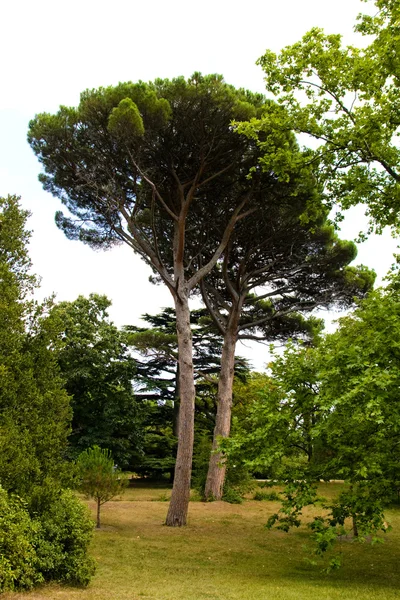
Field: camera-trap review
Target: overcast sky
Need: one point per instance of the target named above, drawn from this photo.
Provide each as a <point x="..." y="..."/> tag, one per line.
<point x="51" y="51"/>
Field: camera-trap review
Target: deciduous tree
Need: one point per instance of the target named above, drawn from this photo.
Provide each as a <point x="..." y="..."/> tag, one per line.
<point x="346" y="98"/>
<point x="335" y="405"/>
<point x="98" y="371"/>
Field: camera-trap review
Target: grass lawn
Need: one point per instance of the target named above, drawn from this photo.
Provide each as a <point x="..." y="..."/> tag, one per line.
<point x="223" y="554"/>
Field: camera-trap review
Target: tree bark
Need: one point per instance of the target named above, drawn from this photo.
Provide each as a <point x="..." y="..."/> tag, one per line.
<point x="177" y="395"/>
<point x="98" y="513"/>
<point x="178" y="508"/>
<point x="217" y="466"/>
<point x="175" y="417"/>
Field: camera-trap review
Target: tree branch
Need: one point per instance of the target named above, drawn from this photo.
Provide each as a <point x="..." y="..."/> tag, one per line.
<point x="215" y="315"/>
<point x="203" y="271"/>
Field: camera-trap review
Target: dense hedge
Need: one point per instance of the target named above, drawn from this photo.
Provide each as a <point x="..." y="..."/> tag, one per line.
<point x="50" y="546"/>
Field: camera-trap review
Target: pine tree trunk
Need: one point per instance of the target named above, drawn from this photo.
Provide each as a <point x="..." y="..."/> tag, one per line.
<point x="98" y="513"/>
<point x="179" y="504"/>
<point x="217" y="467"/>
<point x="175" y="417"/>
<point x="177" y="395"/>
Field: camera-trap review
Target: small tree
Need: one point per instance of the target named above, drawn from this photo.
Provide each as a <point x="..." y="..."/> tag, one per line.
<point x="99" y="479"/>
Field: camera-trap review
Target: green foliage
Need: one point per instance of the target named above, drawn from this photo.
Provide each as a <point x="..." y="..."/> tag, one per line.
<point x="295" y="496"/>
<point x="232" y="495"/>
<point x="19" y="564"/>
<point x="273" y="432"/>
<point x="98" y="477"/>
<point x="335" y="407"/>
<point x="359" y="380"/>
<point x="51" y="546"/>
<point x="351" y="106"/>
<point x="270" y="496"/>
<point x="45" y="535"/>
<point x="125" y="119"/>
<point x="134" y="131"/>
<point x="66" y="532"/>
<point x="94" y="359"/>
<point x="34" y="408"/>
<point x="237" y="480"/>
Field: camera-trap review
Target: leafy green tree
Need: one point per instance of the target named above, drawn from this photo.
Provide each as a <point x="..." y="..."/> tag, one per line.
<point x="45" y="530"/>
<point x="99" y="479"/>
<point x="239" y="478"/>
<point x="276" y="435"/>
<point x="98" y="370"/>
<point x="359" y="378"/>
<point x="144" y="163"/>
<point x="336" y="406"/>
<point x="347" y="99"/>
<point x="34" y="408"/>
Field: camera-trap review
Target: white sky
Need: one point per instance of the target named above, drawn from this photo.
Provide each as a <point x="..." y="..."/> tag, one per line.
<point x="51" y="51"/>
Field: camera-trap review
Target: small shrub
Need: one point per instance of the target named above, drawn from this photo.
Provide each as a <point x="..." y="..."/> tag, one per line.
<point x="162" y="498"/>
<point x="66" y="532"/>
<point x="18" y="559"/>
<point x="271" y="496"/>
<point x="52" y="546"/>
<point x="238" y="482"/>
<point x="232" y="495"/>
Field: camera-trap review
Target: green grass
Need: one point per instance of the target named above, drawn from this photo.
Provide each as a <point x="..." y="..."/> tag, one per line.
<point x="224" y="553"/>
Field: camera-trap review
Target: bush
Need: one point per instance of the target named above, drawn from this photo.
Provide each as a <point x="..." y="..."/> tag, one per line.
<point x="232" y="495"/>
<point x="238" y="482"/>
<point x="52" y="546"/>
<point x="271" y="496"/>
<point x="66" y="532"/>
<point x="19" y="564"/>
